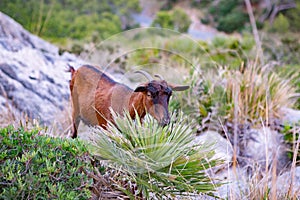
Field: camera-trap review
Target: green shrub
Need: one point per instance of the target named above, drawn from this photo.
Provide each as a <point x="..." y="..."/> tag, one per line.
<point x="230" y="51"/>
<point x="233" y="21"/>
<point x="181" y="20"/>
<point x="163" y="19"/>
<point x="39" y="167"/>
<point x="177" y="20"/>
<point x="205" y="20"/>
<point x="72" y="19"/>
<point x="281" y="24"/>
<point x="294" y="17"/>
<point x="226" y="6"/>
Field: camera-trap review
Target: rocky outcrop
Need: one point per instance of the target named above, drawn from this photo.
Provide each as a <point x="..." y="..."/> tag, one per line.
<point x="32" y="73"/>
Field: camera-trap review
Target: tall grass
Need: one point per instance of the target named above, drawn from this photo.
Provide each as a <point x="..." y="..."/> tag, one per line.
<point x="260" y="92"/>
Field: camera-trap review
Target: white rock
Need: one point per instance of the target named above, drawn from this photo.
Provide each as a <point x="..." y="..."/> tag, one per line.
<point x="263" y="147"/>
<point x="290" y="115"/>
<point x="289" y="180"/>
<point x="222" y="147"/>
<point x="236" y="183"/>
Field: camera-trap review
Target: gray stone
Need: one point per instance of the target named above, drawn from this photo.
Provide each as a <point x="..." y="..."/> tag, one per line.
<point x="222" y="147"/>
<point x="289" y="182"/>
<point x="290" y="115"/>
<point x="32" y="73"/>
<point x="263" y="148"/>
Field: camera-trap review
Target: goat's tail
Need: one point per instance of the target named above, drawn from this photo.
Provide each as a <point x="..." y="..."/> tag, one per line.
<point x="71" y="69"/>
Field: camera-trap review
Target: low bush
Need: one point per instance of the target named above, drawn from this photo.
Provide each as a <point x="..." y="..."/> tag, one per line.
<point x="281" y="24"/>
<point x="176" y="20"/>
<point x="232" y="22"/>
<point x="39" y="167"/>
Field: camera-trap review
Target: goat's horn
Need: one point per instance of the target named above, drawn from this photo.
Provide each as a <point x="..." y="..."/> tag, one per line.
<point x="159" y="76"/>
<point x="146" y="74"/>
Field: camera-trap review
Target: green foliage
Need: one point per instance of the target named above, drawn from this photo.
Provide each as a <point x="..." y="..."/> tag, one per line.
<point x="280" y="24"/>
<point x="291" y="134"/>
<point x="163" y="19"/>
<point x="283" y="49"/>
<point x="160" y="160"/>
<point x="39" y="167"/>
<point x="294" y="17"/>
<point x="231" y="51"/>
<point x="75" y="19"/>
<point x="177" y="20"/>
<point x="232" y="22"/>
<point x="223" y="8"/>
<point x="181" y="20"/>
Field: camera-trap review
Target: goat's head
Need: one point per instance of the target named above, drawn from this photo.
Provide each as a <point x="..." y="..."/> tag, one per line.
<point x="157" y="94"/>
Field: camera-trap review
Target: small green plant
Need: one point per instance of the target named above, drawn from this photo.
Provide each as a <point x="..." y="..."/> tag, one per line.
<point x="181" y="20"/>
<point x="291" y="136"/>
<point x="281" y="24"/>
<point x="162" y="161"/>
<point x="177" y="20"/>
<point x="33" y="166"/>
<point x="163" y="19"/>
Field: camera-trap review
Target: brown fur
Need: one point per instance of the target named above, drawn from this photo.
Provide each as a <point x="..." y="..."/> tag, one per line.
<point x="93" y="93"/>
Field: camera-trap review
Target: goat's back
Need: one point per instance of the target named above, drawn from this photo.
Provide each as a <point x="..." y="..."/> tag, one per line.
<point x="94" y="93"/>
<point x="84" y="84"/>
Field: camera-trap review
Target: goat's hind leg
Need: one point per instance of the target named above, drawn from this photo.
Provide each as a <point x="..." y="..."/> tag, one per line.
<point x="75" y="127"/>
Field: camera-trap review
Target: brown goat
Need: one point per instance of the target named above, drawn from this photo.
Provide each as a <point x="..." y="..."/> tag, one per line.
<point x="94" y="93"/>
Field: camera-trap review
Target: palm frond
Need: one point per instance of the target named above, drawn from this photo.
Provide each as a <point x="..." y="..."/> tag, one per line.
<point x="162" y="161"/>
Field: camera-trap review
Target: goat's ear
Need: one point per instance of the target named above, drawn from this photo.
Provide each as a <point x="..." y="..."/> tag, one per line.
<point x="178" y="87"/>
<point x="141" y="88"/>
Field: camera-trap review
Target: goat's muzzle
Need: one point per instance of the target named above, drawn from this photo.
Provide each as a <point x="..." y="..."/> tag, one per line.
<point x="164" y="122"/>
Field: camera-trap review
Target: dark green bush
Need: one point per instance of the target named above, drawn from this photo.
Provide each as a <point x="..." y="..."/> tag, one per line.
<point x="294" y="17"/>
<point x="72" y="19"/>
<point x="225" y="7"/>
<point x="233" y="21"/>
<point x="205" y="20"/>
<point x="39" y="167"/>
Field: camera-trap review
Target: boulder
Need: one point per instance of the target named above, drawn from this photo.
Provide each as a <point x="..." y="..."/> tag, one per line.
<point x="288" y="182"/>
<point x="290" y="115"/>
<point x="222" y="147"/>
<point x="33" y="77"/>
<point x="263" y="148"/>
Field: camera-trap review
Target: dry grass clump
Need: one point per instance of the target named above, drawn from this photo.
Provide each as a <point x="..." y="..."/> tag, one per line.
<point x="260" y="93"/>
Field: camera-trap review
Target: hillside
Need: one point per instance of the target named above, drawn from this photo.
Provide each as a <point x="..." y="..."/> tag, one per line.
<point x="234" y="134"/>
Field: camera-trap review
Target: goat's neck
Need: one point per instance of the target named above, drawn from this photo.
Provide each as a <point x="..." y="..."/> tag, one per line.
<point x="136" y="103"/>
